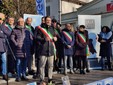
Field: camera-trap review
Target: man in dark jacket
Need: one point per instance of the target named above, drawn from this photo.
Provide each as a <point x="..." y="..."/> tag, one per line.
<point x="46" y="45"/>
<point x="31" y="59"/>
<point x="3" y="34"/>
<point x="22" y="39"/>
<point x="11" y="62"/>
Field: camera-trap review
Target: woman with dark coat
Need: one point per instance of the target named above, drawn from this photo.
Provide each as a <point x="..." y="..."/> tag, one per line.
<point x="22" y="40"/>
<point x="68" y="39"/>
<point x="81" y="47"/>
<point x="105" y="37"/>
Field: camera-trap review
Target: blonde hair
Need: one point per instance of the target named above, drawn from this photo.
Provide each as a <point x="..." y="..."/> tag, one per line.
<point x="2" y="16"/>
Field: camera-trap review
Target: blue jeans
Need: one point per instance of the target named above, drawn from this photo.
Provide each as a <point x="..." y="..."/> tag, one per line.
<point x="21" y="67"/>
<point x="4" y="62"/>
<point x="70" y="62"/>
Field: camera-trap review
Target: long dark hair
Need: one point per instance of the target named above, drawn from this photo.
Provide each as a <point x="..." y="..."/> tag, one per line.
<point x="107" y="29"/>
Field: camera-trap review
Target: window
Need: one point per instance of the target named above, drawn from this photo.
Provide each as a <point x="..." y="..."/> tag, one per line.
<point x="48" y="10"/>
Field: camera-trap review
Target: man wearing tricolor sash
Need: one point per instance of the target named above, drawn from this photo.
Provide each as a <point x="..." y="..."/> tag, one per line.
<point x="68" y="40"/>
<point x="45" y="38"/>
<point x="82" y="48"/>
<point x="10" y="23"/>
<point x="59" y="45"/>
<point x="31" y="59"/>
<point x="9" y="26"/>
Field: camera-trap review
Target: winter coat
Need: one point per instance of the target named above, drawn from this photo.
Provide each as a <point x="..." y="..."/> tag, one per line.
<point x="45" y="48"/>
<point x="105" y="47"/>
<point x="4" y="34"/>
<point x="22" y="40"/>
<point x="66" y="41"/>
<point x="59" y="43"/>
<point x="80" y="46"/>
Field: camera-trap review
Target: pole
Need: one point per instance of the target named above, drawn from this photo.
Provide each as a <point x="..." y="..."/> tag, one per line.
<point x="60" y="10"/>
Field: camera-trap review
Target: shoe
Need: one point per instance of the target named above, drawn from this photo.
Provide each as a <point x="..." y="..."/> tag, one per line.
<point x="71" y="72"/>
<point x="87" y="70"/>
<point x="24" y="78"/>
<point x="35" y="76"/>
<point x="32" y="72"/>
<point x="5" y="77"/>
<point x="51" y="82"/>
<point x="110" y="69"/>
<point x="18" y="79"/>
<point x="83" y="72"/>
<point x="80" y="71"/>
<point x="65" y="73"/>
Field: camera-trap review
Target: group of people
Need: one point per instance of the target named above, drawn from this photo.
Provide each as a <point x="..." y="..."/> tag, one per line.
<point x="52" y="46"/>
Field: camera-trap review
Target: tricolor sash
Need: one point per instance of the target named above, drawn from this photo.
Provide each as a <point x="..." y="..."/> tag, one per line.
<point x="83" y="39"/>
<point x="57" y="33"/>
<point x="50" y="36"/>
<point x="29" y="27"/>
<point x="8" y="26"/>
<point x="67" y="35"/>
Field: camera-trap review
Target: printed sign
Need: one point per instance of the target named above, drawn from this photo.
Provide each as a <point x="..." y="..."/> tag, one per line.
<point x="65" y="80"/>
<point x="34" y="83"/>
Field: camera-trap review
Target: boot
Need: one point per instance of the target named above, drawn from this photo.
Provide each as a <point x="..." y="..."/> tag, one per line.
<point x="5" y="77"/>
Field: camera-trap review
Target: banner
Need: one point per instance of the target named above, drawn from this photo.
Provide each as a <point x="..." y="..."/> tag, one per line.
<point x="41" y="7"/>
<point x="36" y="19"/>
<point x="107" y="81"/>
<point x="109" y="7"/>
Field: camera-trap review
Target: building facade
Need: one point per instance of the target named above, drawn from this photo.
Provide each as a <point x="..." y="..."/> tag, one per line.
<point x="55" y="8"/>
<point x="96" y="7"/>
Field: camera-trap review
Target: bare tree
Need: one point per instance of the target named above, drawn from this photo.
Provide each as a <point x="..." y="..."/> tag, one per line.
<point x="17" y="8"/>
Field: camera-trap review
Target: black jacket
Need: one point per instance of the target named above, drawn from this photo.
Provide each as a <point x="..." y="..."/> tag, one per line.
<point x="45" y="48"/>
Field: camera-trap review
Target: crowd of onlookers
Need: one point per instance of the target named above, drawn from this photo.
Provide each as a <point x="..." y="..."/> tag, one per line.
<point x="41" y="50"/>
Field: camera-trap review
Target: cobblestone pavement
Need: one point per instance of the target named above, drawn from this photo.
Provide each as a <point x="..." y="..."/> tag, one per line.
<point x="75" y="79"/>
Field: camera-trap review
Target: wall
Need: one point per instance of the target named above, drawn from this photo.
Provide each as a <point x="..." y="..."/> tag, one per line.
<point x="54" y="8"/>
<point x="66" y="7"/>
<point x="69" y="7"/>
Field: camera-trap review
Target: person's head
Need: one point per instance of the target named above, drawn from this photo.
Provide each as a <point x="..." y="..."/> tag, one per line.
<point x="105" y="29"/>
<point x="81" y="28"/>
<point x="11" y="20"/>
<point x="29" y="21"/>
<point x="48" y="20"/>
<point x="20" y="22"/>
<point x="43" y="19"/>
<point x="2" y="18"/>
<point x="54" y="23"/>
<point x="59" y="25"/>
<point x="68" y="26"/>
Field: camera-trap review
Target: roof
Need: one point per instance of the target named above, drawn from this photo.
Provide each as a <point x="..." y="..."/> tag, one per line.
<point x="76" y="1"/>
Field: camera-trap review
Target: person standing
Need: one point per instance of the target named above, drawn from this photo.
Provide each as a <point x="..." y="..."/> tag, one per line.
<point x="22" y="39"/>
<point x="3" y="45"/>
<point x="105" y="37"/>
<point x="45" y="38"/>
<point x="31" y="59"/>
<point x="9" y="25"/>
<point x="68" y="38"/>
<point x="82" y="48"/>
<point x="38" y="47"/>
<point x="59" y="45"/>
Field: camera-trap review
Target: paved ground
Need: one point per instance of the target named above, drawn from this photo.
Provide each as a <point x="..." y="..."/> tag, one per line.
<point x="75" y="79"/>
